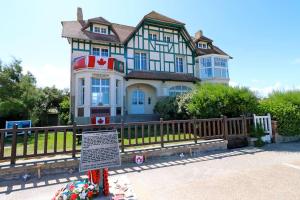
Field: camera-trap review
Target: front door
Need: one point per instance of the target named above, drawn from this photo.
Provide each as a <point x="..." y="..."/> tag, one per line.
<point x="138" y="102"/>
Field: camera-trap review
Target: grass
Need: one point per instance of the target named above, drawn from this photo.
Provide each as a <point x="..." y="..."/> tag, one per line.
<point x="149" y="137"/>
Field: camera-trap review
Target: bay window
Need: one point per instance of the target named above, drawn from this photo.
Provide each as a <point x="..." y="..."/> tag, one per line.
<point x="140" y="61"/>
<point x="213" y="67"/>
<point x="100" y="91"/>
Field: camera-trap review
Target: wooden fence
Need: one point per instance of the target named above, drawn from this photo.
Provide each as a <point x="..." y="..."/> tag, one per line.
<point x="43" y="141"/>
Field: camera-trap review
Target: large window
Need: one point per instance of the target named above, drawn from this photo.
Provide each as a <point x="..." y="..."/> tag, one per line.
<point x="140" y="61"/>
<point x="100" y="92"/>
<point x="81" y="91"/>
<point x="178" y="90"/>
<point x="216" y="69"/>
<point x="179" y="64"/>
<point x="100" y="51"/>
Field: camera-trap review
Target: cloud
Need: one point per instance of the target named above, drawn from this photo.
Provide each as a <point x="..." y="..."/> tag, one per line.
<point x="278" y="86"/>
<point x="296" y="61"/>
<point x="49" y="75"/>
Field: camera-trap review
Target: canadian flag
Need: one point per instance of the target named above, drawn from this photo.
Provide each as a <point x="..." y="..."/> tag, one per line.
<point x="96" y="62"/>
<point x="99" y="120"/>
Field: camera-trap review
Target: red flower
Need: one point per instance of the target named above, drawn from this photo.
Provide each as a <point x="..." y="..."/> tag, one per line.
<point x="73" y="196"/>
<point x="72" y="187"/>
<point x="90" y="194"/>
<point x="86" y="186"/>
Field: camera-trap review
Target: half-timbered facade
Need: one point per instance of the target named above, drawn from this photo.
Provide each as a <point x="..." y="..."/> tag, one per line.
<point x="119" y="70"/>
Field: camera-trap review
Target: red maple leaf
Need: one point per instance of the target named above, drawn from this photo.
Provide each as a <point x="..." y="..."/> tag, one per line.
<point x="101" y="61"/>
<point x="100" y="121"/>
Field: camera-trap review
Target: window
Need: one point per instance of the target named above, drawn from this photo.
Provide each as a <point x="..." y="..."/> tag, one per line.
<point x="167" y="39"/>
<point x="152" y="36"/>
<point x="100" y="92"/>
<point x="104" y="52"/>
<point x="118" y="92"/>
<point x="200" y="45"/>
<point x="220" y="62"/>
<point x="140" y="61"/>
<point x="217" y="69"/>
<point x="179" y="64"/>
<point x="178" y="90"/>
<point x="98" y="52"/>
<point x="103" y="30"/>
<point x="81" y="91"/>
<point x="97" y="29"/>
<point x="204" y="46"/>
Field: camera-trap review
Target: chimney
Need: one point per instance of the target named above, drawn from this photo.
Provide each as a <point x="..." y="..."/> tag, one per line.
<point x="198" y="34"/>
<point x="79" y="14"/>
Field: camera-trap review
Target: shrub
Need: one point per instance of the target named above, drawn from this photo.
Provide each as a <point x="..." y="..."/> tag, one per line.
<point x="167" y="108"/>
<point x="208" y="100"/>
<point x="285" y="108"/>
<point x="214" y="100"/>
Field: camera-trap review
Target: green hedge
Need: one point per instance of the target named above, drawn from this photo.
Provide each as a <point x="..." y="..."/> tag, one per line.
<point x="209" y="100"/>
<point x="285" y="108"/>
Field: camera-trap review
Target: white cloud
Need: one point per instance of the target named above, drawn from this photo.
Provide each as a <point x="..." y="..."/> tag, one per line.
<point x="296" y="61"/>
<point x="49" y="75"/>
<point x="278" y="86"/>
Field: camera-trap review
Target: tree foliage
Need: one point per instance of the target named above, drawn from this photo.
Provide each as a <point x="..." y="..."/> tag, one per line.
<point x="285" y="108"/>
<point x="21" y="99"/>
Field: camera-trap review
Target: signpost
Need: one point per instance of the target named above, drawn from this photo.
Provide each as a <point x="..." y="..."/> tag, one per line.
<point x="99" y="150"/>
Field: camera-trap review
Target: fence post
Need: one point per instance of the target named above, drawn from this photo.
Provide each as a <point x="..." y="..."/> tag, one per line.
<point x="161" y="133"/>
<point x="274" y="131"/>
<point x="244" y="125"/>
<point x="194" y="130"/>
<point x="14" y="145"/>
<point x="225" y="129"/>
<point x="74" y="140"/>
<point x="122" y="135"/>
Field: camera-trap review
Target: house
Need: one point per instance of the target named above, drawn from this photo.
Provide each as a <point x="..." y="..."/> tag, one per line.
<point x="119" y="70"/>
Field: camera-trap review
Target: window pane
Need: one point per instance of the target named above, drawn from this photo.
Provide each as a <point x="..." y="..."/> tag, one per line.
<point x="137" y="61"/>
<point x="96" y="51"/>
<point x="104" y="52"/>
<point x="143" y="61"/>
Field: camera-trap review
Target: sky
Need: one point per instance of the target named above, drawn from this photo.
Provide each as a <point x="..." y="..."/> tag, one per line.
<point x="263" y="37"/>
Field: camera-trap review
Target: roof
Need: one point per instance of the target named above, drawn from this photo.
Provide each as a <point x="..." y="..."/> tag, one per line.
<point x="163" y="76"/>
<point x="157" y="16"/>
<point x="122" y="31"/>
<point x="73" y="29"/>
<point x="213" y="50"/>
<point x="203" y="38"/>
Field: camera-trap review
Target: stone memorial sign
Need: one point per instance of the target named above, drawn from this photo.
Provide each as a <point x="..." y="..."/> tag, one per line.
<point x="99" y="150"/>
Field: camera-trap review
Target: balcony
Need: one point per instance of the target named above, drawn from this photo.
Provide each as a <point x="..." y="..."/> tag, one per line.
<point x="97" y="63"/>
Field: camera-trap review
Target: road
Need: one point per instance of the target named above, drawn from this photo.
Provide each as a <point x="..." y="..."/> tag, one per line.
<point x="272" y="172"/>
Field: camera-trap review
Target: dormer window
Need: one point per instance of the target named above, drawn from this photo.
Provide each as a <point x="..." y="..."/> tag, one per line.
<point x="97" y="29"/>
<point x="100" y="29"/>
<point x="202" y="45"/>
<point x="103" y="30"/>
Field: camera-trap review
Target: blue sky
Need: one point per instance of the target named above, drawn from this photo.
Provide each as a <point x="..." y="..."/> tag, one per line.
<point x="263" y="37"/>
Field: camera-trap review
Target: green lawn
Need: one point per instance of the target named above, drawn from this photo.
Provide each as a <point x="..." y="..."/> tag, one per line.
<point x="149" y="137"/>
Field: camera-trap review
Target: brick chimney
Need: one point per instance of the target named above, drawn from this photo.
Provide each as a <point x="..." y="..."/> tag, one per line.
<point x="79" y="14"/>
<point x="198" y="34"/>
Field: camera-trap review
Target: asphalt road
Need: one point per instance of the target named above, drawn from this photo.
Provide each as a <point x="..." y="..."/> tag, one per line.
<point x="272" y="172"/>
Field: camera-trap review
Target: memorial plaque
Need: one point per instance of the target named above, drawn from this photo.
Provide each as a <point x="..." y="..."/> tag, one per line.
<point x="99" y="150"/>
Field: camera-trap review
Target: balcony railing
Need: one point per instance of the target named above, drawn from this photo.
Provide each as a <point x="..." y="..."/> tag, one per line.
<point x="97" y="62"/>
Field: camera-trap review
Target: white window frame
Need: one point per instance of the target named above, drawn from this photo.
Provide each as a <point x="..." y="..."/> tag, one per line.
<point x="100" y="50"/>
<point x="178" y="90"/>
<point x="97" y="29"/>
<point x="140" y="66"/>
<point x="81" y="91"/>
<point x="103" y="30"/>
<point x="177" y="59"/>
<point x="151" y="36"/>
<point x="100" y="86"/>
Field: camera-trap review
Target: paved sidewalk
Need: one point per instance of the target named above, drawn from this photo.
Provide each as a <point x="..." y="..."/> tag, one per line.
<point x="272" y="172"/>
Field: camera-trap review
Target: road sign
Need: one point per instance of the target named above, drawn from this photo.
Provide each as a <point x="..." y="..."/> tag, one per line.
<point x="99" y="149"/>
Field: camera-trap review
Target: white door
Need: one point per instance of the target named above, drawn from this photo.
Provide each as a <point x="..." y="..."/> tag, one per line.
<point x="138" y="102"/>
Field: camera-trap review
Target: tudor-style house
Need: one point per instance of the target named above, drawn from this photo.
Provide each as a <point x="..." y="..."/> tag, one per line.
<point x="119" y="70"/>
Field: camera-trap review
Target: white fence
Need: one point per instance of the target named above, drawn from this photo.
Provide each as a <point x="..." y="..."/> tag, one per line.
<point x="266" y="124"/>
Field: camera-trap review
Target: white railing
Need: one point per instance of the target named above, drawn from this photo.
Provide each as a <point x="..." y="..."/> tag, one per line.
<point x="266" y="124"/>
